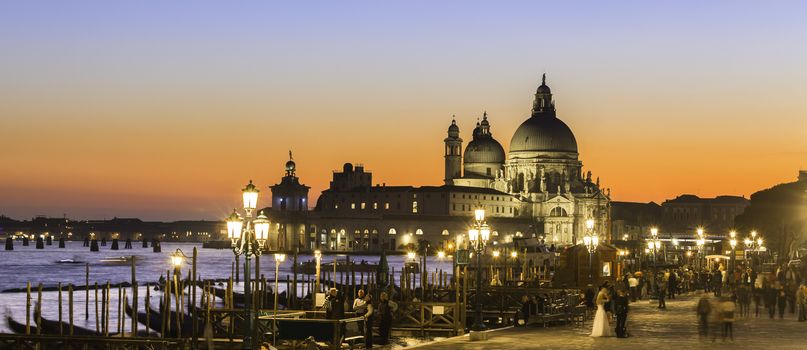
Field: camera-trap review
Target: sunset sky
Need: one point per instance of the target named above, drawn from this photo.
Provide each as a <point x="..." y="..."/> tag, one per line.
<point x="164" y="109"/>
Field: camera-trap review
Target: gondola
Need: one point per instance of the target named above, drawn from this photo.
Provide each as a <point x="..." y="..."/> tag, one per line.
<point x="17" y="327"/>
<point x="154" y="321"/>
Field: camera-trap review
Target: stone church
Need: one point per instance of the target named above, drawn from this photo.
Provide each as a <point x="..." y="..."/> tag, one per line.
<point x="541" y="168"/>
<point x="535" y="189"/>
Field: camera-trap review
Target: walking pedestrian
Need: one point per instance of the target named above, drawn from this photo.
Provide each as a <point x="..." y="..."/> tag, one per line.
<point x="801" y="299"/>
<point x="781" y="301"/>
<point x="727" y="317"/>
<point x="621" y="311"/>
<point x="368" y="321"/>
<point x="770" y="299"/>
<point x="672" y="284"/>
<point x="662" y="291"/>
<point x="633" y="283"/>
<point x="703" y="310"/>
<point x="386" y="308"/>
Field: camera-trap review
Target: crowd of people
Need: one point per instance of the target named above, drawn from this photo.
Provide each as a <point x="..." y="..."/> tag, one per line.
<point x="727" y="296"/>
<point x="335" y="306"/>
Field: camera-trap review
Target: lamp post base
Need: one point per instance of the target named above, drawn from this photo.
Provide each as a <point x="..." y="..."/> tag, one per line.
<point x="478" y="335"/>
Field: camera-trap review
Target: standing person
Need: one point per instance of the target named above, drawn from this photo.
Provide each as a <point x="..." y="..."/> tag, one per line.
<point x="672" y="284"/>
<point x="633" y="284"/>
<point x="386" y="308"/>
<point x="359" y="304"/>
<point x="756" y="293"/>
<point x="336" y="300"/>
<point x="770" y="299"/>
<point x="662" y="291"/>
<point x="727" y="317"/>
<point x="600" y="327"/>
<point x="703" y="310"/>
<point x="642" y="287"/>
<point x="801" y="299"/>
<point x="589" y="296"/>
<point x="717" y="281"/>
<point x="781" y="301"/>
<point x="368" y="321"/>
<point x="621" y="311"/>
<point x="744" y="299"/>
<point x="526" y="308"/>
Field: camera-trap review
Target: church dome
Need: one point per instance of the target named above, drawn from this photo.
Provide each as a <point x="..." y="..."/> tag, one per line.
<point x="453" y="129"/>
<point x="484" y="150"/>
<point x="543" y="134"/>
<point x="543" y="131"/>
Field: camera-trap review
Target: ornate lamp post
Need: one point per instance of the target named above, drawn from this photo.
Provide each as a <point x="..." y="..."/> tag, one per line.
<point x="591" y="241"/>
<point x="654" y="245"/>
<point x="732" y="263"/>
<point x="279" y="258"/>
<point x="177" y="259"/>
<point x="318" y="258"/>
<point x="478" y="236"/>
<point x="700" y="242"/>
<point x="248" y="240"/>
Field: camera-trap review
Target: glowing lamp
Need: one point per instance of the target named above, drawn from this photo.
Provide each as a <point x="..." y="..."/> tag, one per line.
<point x="484" y="234"/>
<point x="261" y="228"/>
<point x="479" y="214"/>
<point x="279" y="257"/>
<point x="654" y="232"/>
<point x="318" y="254"/>
<point x="590" y="224"/>
<point x="250" y="193"/>
<point x="411" y="255"/>
<point x="496" y="253"/>
<point x="234" y="225"/>
<point x="441" y="254"/>
<point x="514" y="254"/>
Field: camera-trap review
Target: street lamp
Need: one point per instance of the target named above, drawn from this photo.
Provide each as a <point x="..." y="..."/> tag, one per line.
<point x="654" y="245"/>
<point x="590" y="240"/>
<point x="279" y="258"/>
<point x="733" y="244"/>
<point x="177" y="259"/>
<point x="247" y="237"/>
<point x="478" y="236"/>
<point x="318" y="258"/>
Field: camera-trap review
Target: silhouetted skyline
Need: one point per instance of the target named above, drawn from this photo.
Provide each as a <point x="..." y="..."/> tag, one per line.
<point x="165" y="110"/>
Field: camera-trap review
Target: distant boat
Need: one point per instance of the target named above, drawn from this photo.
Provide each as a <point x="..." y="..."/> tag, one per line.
<point x="69" y="261"/>
<point x="120" y="260"/>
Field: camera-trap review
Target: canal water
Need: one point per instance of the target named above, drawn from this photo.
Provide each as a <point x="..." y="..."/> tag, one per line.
<point x="27" y="264"/>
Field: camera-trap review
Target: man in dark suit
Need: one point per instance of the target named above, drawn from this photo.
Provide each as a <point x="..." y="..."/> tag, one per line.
<point x="621" y="311"/>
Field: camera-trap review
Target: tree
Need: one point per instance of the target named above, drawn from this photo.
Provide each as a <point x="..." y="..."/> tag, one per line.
<point x="778" y="213"/>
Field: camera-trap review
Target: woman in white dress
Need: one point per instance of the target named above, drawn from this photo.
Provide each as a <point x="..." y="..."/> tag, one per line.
<point x="601" y="327"/>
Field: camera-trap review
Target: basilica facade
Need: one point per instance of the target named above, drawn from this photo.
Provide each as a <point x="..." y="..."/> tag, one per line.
<point x="537" y="189"/>
<point x="541" y="169"/>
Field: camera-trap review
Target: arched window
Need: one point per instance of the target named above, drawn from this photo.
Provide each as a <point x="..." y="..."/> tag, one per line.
<point x="419" y="232"/>
<point x="392" y="231"/>
<point x="558" y="211"/>
<point x="445" y="233"/>
<point x="375" y="232"/>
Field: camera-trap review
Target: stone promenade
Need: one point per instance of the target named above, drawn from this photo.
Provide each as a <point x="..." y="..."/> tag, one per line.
<point x="672" y="329"/>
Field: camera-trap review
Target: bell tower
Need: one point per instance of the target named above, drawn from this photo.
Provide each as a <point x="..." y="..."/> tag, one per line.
<point x="453" y="153"/>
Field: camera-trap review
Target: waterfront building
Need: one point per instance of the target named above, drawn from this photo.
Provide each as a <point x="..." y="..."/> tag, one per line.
<point x="536" y="189"/>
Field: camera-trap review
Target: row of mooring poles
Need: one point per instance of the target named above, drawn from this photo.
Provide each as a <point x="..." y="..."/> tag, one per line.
<point x="173" y="289"/>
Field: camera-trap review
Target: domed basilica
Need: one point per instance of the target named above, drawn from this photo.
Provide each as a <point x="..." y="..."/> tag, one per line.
<point x="541" y="170"/>
<point x="534" y="191"/>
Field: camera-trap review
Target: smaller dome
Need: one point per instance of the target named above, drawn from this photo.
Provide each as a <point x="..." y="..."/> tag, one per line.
<point x="484" y="150"/>
<point x="453" y="129"/>
<point x="543" y="89"/>
<point x="348" y="168"/>
<point x="291" y="166"/>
